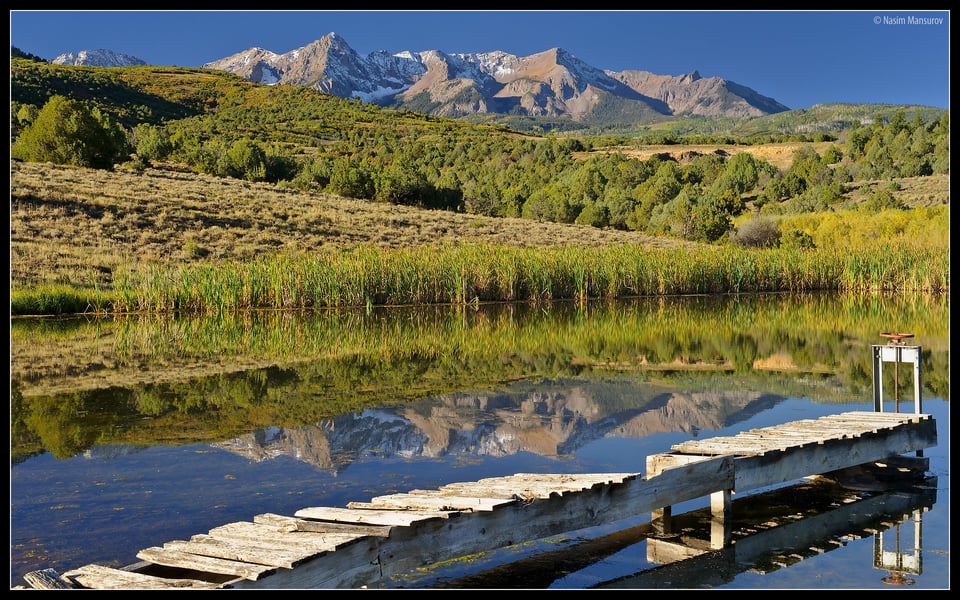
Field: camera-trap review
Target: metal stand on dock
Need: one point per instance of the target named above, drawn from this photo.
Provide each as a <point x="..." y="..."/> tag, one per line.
<point x="896" y="352"/>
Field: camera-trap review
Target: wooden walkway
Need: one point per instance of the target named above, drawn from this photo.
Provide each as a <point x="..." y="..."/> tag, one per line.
<point x="327" y="547"/>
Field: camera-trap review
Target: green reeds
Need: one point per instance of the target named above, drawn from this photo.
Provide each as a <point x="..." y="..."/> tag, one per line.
<point x="57" y="299"/>
<point x="466" y="274"/>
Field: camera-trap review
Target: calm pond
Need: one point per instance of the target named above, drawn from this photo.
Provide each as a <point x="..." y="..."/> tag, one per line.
<point x="129" y="432"/>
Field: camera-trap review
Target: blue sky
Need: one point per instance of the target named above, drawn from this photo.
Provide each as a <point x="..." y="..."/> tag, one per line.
<point x="799" y="58"/>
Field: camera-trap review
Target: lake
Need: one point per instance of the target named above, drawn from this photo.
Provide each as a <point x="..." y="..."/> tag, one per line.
<point x="128" y="432"/>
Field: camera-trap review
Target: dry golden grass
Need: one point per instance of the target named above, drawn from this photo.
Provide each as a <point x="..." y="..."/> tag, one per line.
<point x="931" y="190"/>
<point x="74" y="225"/>
<point x="779" y="155"/>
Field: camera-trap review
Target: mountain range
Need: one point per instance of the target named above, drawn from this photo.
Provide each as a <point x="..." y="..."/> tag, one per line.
<point x="552" y="83"/>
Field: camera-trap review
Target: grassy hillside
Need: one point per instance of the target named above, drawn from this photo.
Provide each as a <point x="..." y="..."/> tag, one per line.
<point x="132" y="95"/>
<point x="76" y="226"/>
<point x="223" y="170"/>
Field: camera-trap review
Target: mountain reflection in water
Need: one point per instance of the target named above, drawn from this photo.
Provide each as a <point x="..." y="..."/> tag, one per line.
<point x="553" y="419"/>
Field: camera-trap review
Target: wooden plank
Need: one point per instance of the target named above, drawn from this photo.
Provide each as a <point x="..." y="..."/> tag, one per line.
<point x="442" y="502"/>
<point x="467" y="490"/>
<point x="46" y="579"/>
<point x="295" y="524"/>
<point x="759" y="471"/>
<point x="504" y="490"/>
<point x="107" y="578"/>
<point x="869" y="415"/>
<point x="523" y="487"/>
<point x="243" y="551"/>
<point x="583" y="480"/>
<point x="718" y="449"/>
<point x="871" y="421"/>
<point x="184" y="560"/>
<point x="255" y="532"/>
<point x="370" y="517"/>
<point x="798" y="433"/>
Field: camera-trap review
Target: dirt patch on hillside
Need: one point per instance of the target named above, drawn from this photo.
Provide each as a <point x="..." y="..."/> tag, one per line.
<point x="929" y="190"/>
<point x="779" y="155"/>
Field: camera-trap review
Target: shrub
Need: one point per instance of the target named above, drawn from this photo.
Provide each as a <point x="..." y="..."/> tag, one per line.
<point x="758" y="232"/>
<point x="881" y="200"/>
<point x="796" y="239"/>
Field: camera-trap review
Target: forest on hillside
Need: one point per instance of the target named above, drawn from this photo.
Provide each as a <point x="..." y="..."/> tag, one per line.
<point x="217" y="124"/>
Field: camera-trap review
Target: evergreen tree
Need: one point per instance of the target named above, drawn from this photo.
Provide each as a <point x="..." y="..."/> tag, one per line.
<point x="67" y="132"/>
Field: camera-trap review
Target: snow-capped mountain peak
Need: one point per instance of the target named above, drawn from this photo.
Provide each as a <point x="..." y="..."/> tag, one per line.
<point x="98" y="58"/>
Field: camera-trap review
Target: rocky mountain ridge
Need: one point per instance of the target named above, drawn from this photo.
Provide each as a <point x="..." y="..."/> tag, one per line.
<point x="553" y="83"/>
<point x="98" y="58"/>
<point x="551" y="422"/>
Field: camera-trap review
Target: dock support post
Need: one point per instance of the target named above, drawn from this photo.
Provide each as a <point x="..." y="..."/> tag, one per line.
<point x="721" y="506"/>
<point x="661" y="519"/>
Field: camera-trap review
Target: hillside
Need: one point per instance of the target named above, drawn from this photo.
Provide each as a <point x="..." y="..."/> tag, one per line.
<point x="76" y="225"/>
<point x="216" y="166"/>
<point x="132" y="95"/>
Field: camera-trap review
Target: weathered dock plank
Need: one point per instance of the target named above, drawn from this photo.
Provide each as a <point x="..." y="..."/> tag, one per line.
<point x="440" y="501"/>
<point x="370" y="517"/>
<point x="260" y="553"/>
<point x="107" y="578"/>
<point x="523" y="486"/>
<point x="255" y="532"/>
<point x="284" y="523"/>
<point x="186" y="560"/>
<point x="46" y="579"/>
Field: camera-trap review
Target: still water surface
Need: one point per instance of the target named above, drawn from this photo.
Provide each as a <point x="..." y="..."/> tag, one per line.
<point x="101" y="471"/>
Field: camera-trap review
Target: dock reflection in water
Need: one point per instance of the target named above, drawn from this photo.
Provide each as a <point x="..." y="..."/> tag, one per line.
<point x="770" y="531"/>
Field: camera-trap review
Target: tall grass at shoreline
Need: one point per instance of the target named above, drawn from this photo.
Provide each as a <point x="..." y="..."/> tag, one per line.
<point x="464" y="274"/>
<point x="60" y="299"/>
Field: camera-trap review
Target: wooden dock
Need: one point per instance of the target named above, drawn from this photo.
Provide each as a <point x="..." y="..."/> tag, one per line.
<point x="357" y="545"/>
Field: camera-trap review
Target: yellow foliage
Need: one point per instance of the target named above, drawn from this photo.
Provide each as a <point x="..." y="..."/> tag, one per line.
<point x="922" y="227"/>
